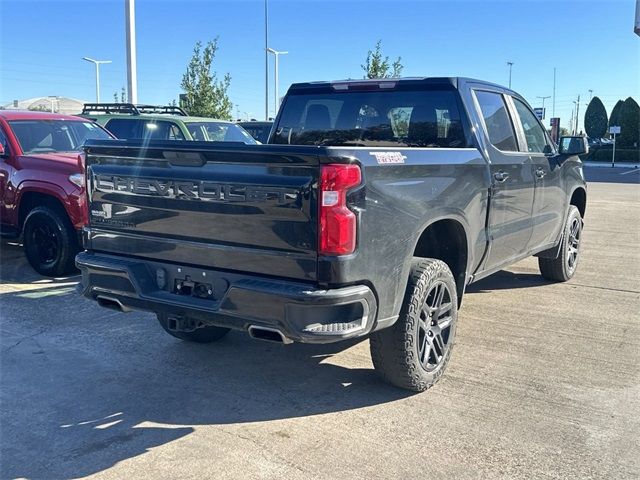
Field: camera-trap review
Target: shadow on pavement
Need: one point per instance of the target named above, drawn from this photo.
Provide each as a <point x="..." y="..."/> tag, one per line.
<point x="91" y="388"/>
<point x="85" y="388"/>
<point x="14" y="267"/>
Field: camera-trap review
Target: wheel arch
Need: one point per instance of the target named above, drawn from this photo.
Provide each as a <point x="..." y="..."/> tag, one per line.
<point x="579" y="200"/>
<point x="446" y="239"/>
<point x="32" y="198"/>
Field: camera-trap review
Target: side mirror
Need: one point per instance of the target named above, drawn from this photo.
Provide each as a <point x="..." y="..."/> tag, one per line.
<point x="573" y="145"/>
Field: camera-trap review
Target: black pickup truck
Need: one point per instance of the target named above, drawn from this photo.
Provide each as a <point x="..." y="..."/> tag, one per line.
<point x="373" y="206"/>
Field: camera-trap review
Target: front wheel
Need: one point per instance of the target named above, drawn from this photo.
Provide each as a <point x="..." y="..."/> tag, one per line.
<point x="414" y="352"/>
<point x="50" y="242"/>
<point x="563" y="267"/>
<point x="203" y="334"/>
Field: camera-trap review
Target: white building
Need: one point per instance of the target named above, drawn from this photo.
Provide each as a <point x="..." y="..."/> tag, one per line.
<point x="67" y="106"/>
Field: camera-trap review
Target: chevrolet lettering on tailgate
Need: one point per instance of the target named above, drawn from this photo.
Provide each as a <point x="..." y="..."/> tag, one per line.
<point x="193" y="189"/>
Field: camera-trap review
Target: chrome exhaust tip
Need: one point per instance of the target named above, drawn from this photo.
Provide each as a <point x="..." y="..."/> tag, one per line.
<point x="268" y="334"/>
<point x="111" y="303"/>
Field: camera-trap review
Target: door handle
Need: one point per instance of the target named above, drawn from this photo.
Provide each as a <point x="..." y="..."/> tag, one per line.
<point x="501" y="176"/>
<point x="540" y="172"/>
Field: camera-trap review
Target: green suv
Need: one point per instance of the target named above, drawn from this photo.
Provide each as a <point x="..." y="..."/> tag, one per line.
<point x="150" y="122"/>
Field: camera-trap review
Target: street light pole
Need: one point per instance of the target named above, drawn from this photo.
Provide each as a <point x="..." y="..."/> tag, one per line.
<point x="97" y="64"/>
<point x="276" y="98"/>
<point x="510" y="67"/>
<point x="132" y="64"/>
<point x="577" y="113"/>
<point x="266" y="60"/>
<point x="543" y="99"/>
<point x="590" y="95"/>
<point x="52" y="99"/>
<point x="553" y="110"/>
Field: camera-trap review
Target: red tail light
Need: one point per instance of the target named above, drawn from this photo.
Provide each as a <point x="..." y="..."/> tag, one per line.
<point x="337" y="223"/>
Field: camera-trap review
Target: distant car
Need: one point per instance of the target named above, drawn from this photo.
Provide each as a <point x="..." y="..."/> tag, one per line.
<point x="42" y="189"/>
<point x="258" y="130"/>
<point x="150" y="122"/>
<point x="599" y="143"/>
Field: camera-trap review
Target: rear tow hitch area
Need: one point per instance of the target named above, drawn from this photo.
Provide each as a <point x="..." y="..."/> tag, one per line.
<point x="183" y="324"/>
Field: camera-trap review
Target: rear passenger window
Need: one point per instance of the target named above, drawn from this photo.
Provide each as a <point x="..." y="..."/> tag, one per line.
<point x="131" y="129"/>
<point x="160" y="130"/>
<point x="496" y="118"/>
<point x="124" y="128"/>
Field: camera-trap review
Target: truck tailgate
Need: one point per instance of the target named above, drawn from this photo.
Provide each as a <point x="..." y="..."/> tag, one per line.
<point x="223" y="206"/>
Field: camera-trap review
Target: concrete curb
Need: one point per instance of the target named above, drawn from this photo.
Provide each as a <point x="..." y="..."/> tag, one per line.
<point x="608" y="164"/>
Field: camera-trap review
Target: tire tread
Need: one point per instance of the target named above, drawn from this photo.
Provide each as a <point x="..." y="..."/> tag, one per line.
<point x="392" y="349"/>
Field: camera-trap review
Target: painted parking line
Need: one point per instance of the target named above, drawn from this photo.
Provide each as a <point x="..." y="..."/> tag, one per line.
<point x="635" y="170"/>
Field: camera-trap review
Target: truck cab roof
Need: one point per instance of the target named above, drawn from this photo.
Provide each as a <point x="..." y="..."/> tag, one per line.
<point x="454" y="82"/>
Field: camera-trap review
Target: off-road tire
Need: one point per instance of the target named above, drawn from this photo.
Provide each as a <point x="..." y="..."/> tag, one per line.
<point x="395" y="351"/>
<point x="50" y="242"/>
<point x="563" y="267"/>
<point x="206" y="334"/>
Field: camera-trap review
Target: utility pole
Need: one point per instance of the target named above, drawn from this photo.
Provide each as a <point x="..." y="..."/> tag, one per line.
<point x="266" y="60"/>
<point x="132" y="68"/>
<point x="276" y="98"/>
<point x="543" y="99"/>
<point x="553" y="109"/>
<point x="571" y="127"/>
<point x="577" y="113"/>
<point x="97" y="63"/>
<point x="510" y="67"/>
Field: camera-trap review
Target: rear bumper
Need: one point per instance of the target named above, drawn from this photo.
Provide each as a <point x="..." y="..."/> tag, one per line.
<point x="302" y="312"/>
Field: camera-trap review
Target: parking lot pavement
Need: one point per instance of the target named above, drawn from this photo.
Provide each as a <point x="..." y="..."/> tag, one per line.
<point x="544" y="382"/>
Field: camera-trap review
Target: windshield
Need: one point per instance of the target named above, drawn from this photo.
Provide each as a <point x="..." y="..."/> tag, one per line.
<point x="219" y="132"/>
<point x="47" y="136"/>
<point x="401" y="118"/>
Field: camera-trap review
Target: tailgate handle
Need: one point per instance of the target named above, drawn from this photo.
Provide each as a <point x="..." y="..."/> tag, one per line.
<point x="184" y="159"/>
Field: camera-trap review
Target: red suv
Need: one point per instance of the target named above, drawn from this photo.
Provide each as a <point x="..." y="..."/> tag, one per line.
<point x="42" y="195"/>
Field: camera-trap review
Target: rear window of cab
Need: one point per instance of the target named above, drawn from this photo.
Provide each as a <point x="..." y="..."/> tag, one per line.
<point x="403" y="118"/>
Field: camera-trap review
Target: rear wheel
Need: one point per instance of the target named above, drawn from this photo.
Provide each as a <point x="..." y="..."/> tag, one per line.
<point x="563" y="267"/>
<point x="50" y="242"/>
<point x="414" y="352"/>
<point x="202" y="334"/>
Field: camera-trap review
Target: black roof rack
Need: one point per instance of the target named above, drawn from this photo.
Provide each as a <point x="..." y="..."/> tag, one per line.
<point x="131" y="109"/>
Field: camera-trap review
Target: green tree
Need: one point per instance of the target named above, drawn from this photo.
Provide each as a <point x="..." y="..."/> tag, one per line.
<point x="629" y="124"/>
<point x="377" y="66"/>
<point x="205" y="95"/>
<point x="614" y="118"/>
<point x="595" y="119"/>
